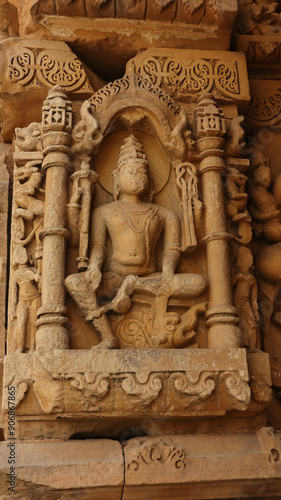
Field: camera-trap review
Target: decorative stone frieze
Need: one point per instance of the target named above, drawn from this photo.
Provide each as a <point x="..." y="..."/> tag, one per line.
<point x="188" y="74"/>
<point x="64" y="385"/>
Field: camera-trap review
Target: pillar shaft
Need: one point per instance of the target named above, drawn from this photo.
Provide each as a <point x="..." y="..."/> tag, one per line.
<point x="221" y="314"/>
<point x="51" y="333"/>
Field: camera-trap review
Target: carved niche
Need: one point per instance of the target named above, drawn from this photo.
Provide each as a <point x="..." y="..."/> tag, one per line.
<point x="125" y="222"/>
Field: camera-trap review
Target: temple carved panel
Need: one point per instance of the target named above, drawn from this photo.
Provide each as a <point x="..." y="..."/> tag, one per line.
<point x="131" y="247"/>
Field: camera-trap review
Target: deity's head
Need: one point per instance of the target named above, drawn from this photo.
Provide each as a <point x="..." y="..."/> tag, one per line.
<point x="244" y="261"/>
<point x="132" y="175"/>
<point x="20" y="256"/>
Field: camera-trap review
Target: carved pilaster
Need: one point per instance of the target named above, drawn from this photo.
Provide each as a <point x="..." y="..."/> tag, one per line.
<point x="56" y="125"/>
<point x="221" y="315"/>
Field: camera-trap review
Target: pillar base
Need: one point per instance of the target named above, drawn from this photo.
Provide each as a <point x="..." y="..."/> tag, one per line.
<point x="51" y="337"/>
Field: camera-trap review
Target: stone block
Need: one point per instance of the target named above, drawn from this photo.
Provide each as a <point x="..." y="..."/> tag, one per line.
<point x="78" y="385"/>
<point x="88" y="469"/>
<point x="202" y="467"/>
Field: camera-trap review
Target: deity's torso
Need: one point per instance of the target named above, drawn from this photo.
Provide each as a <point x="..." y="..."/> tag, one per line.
<point x="134" y="230"/>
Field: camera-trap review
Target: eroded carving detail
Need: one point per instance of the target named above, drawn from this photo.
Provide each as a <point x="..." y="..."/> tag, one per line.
<point x="160" y="453"/>
<point x="245" y="297"/>
<point x="48" y="68"/>
<point x="194" y="387"/>
<point x="96" y="385"/>
<point x="238" y="389"/>
<point x="182" y="78"/>
<point x="265" y="109"/>
<point x="258" y="17"/>
<point x="143" y="393"/>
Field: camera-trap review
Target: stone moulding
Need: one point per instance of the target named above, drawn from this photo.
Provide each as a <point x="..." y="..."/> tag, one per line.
<point x="260" y="49"/>
<point x="86" y="384"/>
<point x="45" y="64"/>
<point x="220" y="12"/>
<point x="265" y="107"/>
<point x="190" y="73"/>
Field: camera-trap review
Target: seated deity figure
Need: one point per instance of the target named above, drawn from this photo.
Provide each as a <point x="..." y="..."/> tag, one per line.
<point x="133" y="225"/>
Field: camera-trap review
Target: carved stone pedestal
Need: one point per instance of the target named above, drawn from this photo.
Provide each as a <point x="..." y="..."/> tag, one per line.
<point x="61" y="393"/>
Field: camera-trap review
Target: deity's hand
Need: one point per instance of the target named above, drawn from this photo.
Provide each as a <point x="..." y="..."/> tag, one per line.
<point x="93" y="275"/>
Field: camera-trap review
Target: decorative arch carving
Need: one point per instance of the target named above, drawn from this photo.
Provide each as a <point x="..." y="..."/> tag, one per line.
<point x="164" y="115"/>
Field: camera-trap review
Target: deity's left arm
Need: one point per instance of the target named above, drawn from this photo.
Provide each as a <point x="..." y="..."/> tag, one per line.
<point x="171" y="252"/>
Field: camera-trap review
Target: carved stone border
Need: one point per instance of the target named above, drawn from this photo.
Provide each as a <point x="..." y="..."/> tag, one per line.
<point x="193" y="72"/>
<point x="113" y="383"/>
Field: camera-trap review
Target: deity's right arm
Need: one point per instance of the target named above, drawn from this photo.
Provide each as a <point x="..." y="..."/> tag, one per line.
<point x="98" y="237"/>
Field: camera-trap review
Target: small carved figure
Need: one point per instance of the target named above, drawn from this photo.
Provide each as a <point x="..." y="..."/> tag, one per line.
<point x="27" y="299"/>
<point x="235" y="190"/>
<point x="245" y="296"/>
<point x="29" y="138"/>
<point x="28" y="207"/>
<point x="263" y="207"/>
<point x="235" y="134"/>
<point x="134" y="227"/>
<point x="24" y="192"/>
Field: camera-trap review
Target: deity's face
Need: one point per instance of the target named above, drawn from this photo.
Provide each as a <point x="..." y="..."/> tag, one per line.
<point x="133" y="178"/>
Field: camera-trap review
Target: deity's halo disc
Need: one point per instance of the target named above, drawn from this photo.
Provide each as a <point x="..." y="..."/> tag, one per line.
<point x="107" y="158"/>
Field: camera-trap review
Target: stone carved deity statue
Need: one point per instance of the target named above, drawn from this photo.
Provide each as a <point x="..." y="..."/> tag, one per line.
<point x="263" y="207"/>
<point x="26" y="299"/>
<point x="134" y="225"/>
<point x="245" y="297"/>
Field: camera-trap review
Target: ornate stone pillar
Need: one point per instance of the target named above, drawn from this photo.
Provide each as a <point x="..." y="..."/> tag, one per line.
<point x="56" y="126"/>
<point x="221" y="315"/>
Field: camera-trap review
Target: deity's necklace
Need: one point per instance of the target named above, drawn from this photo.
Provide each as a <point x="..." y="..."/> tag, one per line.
<point x="126" y="209"/>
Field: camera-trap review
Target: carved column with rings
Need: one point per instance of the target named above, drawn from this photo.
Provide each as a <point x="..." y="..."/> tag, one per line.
<point x="56" y="126"/>
<point x="221" y="314"/>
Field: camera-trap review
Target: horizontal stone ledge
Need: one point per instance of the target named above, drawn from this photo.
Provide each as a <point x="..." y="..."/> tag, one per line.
<point x="176" y="383"/>
<point x="143" y="361"/>
<point x="197" y="467"/>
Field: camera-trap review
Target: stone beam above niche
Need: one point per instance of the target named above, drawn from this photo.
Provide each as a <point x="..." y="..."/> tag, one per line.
<point x="29" y="69"/>
<point x="188" y="73"/>
<point x="219" y="12"/>
<point x="107" y="34"/>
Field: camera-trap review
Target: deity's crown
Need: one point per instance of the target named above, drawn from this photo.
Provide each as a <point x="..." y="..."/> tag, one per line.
<point x="131" y="149"/>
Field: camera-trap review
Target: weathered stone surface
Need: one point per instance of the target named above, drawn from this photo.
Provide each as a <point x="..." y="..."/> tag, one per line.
<point x="145" y="246"/>
<point x="90" y="469"/>
<point x="185" y="74"/>
<point x="228" y="467"/>
<point x="108" y="44"/>
<point x="5" y="151"/>
<point x="75" y="384"/>
<point x="29" y="68"/>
